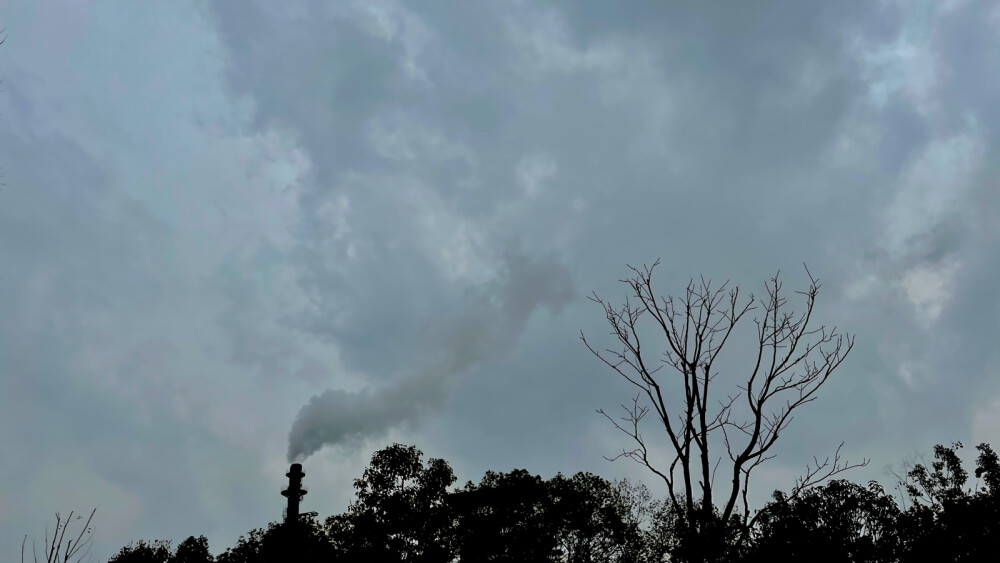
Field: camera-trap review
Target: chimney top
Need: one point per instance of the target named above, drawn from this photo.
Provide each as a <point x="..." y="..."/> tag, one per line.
<point x="294" y="492"/>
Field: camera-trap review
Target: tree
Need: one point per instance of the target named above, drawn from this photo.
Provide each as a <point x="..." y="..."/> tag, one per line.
<point x="946" y="520"/>
<point x="400" y="510"/>
<point x="306" y="542"/>
<point x="506" y="517"/>
<point x="596" y="520"/>
<point x="839" y="521"/>
<point x="142" y="551"/>
<point x="193" y="550"/>
<point x="790" y="362"/>
<point x="62" y="546"/>
<point x="843" y="521"/>
<point x="516" y="516"/>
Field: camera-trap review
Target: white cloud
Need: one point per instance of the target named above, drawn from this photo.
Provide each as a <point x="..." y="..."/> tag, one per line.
<point x="543" y="43"/>
<point x="928" y="287"/>
<point x="533" y="171"/>
<point x="916" y="250"/>
<point x="906" y="66"/>
<point x="457" y="245"/>
<point x="933" y="190"/>
<point x="390" y="21"/>
<point x="398" y="136"/>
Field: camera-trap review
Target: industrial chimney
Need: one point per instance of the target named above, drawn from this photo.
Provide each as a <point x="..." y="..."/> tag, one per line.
<point x="294" y="492"/>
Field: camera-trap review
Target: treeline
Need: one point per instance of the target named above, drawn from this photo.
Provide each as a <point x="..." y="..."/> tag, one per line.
<point x="408" y="510"/>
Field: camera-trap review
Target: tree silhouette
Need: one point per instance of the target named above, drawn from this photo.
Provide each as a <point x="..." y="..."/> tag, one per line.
<point x="506" y="517"/>
<point x="948" y="521"/>
<point x="399" y="512"/>
<point x="63" y="546"/>
<point x="839" y="521"/>
<point x="193" y="550"/>
<point x="304" y="542"/>
<point x="403" y="511"/>
<point x="597" y="521"/>
<point x="517" y="516"/>
<point x="791" y="362"/>
<point x="142" y="551"/>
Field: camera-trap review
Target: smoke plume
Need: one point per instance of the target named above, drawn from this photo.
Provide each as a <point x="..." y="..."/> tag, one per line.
<point x="486" y="331"/>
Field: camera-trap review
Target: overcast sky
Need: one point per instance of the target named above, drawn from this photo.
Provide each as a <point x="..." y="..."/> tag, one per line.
<point x="235" y="232"/>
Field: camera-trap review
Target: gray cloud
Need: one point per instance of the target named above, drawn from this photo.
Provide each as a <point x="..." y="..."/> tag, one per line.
<point x="254" y="203"/>
<point x="485" y="331"/>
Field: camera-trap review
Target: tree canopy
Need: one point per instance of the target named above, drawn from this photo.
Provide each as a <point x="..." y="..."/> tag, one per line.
<point x="404" y="511"/>
<point x="407" y="509"/>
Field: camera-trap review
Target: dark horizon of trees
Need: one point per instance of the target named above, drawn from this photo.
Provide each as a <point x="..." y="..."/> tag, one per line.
<point x="408" y="510"/>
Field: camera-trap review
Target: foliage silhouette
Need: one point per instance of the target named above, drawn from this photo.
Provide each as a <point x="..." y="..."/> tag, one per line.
<point x="306" y="542"/>
<point x="142" y="551"/>
<point x="839" y="521"/>
<point x="400" y="512"/>
<point x="843" y="521"/>
<point x="948" y="521"/>
<point x="506" y="517"/>
<point x="517" y="516"/>
<point x="403" y="511"/>
<point x="596" y="520"/>
<point x="193" y="550"/>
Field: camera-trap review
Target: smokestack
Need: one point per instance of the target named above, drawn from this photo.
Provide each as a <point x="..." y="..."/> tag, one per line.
<point x="294" y="492"/>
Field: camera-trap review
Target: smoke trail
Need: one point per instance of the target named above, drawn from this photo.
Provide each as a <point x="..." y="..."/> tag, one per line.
<point x="486" y="331"/>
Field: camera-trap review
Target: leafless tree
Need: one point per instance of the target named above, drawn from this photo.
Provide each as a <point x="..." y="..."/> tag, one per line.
<point x="791" y="361"/>
<point x="59" y="548"/>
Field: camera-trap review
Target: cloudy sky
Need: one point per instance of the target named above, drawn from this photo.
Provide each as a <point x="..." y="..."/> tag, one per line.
<point x="237" y="232"/>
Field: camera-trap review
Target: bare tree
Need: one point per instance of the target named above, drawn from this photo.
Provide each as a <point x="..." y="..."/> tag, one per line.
<point x="59" y="548"/>
<point x="791" y="362"/>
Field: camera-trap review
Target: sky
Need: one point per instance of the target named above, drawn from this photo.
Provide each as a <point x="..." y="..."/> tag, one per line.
<point x="242" y="232"/>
